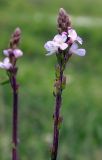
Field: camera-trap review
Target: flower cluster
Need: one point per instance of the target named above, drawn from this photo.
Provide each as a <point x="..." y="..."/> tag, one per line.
<point x="6" y="64"/>
<point x="13" y="52"/>
<point x="65" y="41"/>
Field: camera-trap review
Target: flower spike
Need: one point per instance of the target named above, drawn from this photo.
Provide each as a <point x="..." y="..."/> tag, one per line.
<point x="64" y="45"/>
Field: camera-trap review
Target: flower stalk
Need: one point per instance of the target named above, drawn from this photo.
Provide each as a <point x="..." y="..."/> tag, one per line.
<point x="57" y="117"/>
<point x="9" y="64"/>
<point x="15" y="119"/>
<point x="60" y="84"/>
<point x="63" y="45"/>
<point x="13" y="81"/>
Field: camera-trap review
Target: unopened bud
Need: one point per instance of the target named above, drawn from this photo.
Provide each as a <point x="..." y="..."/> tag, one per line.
<point x="15" y="38"/>
<point x="63" y="21"/>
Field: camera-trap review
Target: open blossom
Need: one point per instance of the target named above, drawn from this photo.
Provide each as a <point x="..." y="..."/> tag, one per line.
<point x="5" y="64"/>
<point x="57" y="43"/>
<point x="60" y="42"/>
<point x="73" y="35"/>
<point x="74" y="38"/>
<point x="75" y="50"/>
<point x="16" y="52"/>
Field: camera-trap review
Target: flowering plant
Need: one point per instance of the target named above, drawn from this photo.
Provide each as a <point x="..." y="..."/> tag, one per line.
<point x="9" y="64"/>
<point x="64" y="45"/>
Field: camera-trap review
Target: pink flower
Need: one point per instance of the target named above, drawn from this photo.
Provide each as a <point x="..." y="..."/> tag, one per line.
<point x="16" y="52"/>
<point x="58" y="42"/>
<point x="74" y="37"/>
<point x="75" y="50"/>
<point x="5" y="64"/>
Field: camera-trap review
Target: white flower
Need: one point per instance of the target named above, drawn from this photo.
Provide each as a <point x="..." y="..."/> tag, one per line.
<point x="16" y="52"/>
<point x="74" y="37"/>
<point x="74" y="50"/>
<point x="5" y="64"/>
<point x="58" y="42"/>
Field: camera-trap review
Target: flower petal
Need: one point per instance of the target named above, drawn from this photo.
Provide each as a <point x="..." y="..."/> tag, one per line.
<point x="64" y="36"/>
<point x="6" y="52"/>
<point x="6" y="60"/>
<point x="79" y="39"/>
<point x="17" y="53"/>
<point x="63" y="46"/>
<point x="73" y="47"/>
<point x="58" y="38"/>
<point x="51" y="47"/>
<point x="5" y="64"/>
<point x="8" y="66"/>
<point x="2" y="65"/>
<point x="80" y="52"/>
<point x="72" y="34"/>
<point x="74" y="50"/>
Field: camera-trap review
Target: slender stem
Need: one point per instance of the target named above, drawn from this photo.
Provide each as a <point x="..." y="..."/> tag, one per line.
<point x="57" y="120"/>
<point x="15" y="119"/>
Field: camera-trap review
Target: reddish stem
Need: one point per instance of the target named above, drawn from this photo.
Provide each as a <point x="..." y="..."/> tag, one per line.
<point x="15" y="119"/>
<point x="57" y="120"/>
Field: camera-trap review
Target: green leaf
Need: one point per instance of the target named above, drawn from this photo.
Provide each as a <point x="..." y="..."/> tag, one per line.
<point x="5" y="82"/>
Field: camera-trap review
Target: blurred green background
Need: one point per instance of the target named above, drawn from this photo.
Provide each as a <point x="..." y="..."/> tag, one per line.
<point x="81" y="132"/>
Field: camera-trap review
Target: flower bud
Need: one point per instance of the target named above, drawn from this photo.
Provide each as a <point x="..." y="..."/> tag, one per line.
<point x="63" y="21"/>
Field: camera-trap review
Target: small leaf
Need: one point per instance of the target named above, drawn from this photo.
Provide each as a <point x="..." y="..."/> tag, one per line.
<point x="63" y="82"/>
<point x="60" y="122"/>
<point x="5" y="82"/>
<point x="13" y="146"/>
<point x="57" y="72"/>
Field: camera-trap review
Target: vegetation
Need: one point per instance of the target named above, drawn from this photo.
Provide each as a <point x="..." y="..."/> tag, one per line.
<point x="81" y="132"/>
